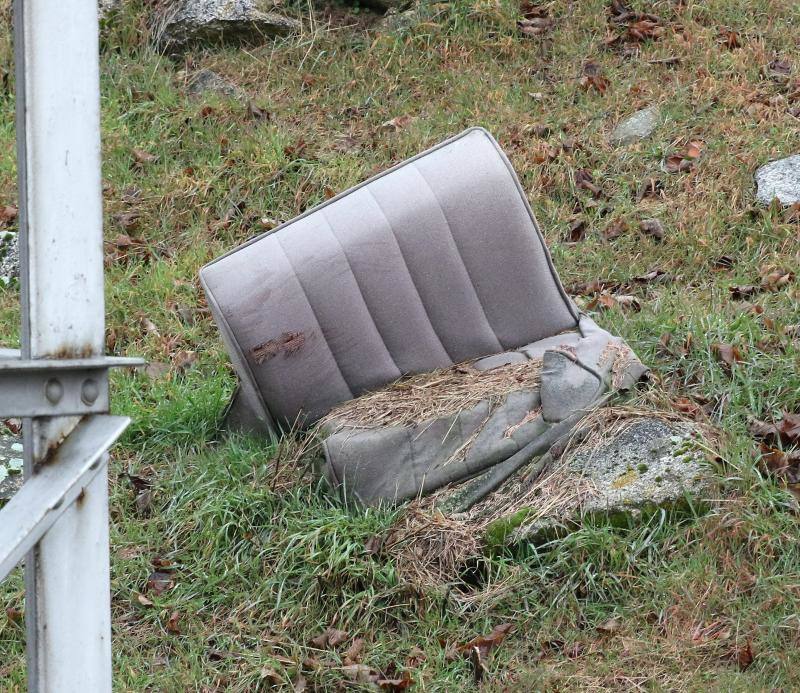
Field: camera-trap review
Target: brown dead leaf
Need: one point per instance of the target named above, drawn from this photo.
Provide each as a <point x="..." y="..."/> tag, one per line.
<point x="258" y="113"/>
<point x="777" y="279"/>
<point x="156" y="370"/>
<point x="534" y="27"/>
<point x="129" y="221"/>
<point x="584" y="181"/>
<point x="8" y="214"/>
<point x="684" y="161"/>
<point x="159" y="582"/>
<point x="576" y="231"/>
<point x="649" y="187"/>
<point x="729" y="354"/>
<point x="729" y="38"/>
<point x="184" y="360"/>
<point x="486" y="643"/>
<point x="172" y="623"/>
<point x="361" y="673"/>
<point x="615" y="229"/>
<point x="141" y="157"/>
<point x="144" y="601"/>
<point x="396" y="123"/>
<point x="745" y="655"/>
<point x="610" y="627"/>
<point x="353" y="653"/>
<point x="329" y="638"/>
<point x="593" y="77"/>
<point x="397" y="683"/>
<point x="743" y="291"/>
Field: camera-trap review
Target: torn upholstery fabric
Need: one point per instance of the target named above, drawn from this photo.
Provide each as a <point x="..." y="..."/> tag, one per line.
<point x="435" y="262"/>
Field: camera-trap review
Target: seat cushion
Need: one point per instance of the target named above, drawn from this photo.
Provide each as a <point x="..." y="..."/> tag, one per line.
<point x="434" y="262"/>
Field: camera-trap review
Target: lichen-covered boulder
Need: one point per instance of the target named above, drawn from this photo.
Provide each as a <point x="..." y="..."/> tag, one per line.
<point x="640" y="465"/>
<point x="187" y="22"/>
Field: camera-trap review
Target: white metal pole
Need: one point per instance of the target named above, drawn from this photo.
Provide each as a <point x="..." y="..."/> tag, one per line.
<point x="58" y="142"/>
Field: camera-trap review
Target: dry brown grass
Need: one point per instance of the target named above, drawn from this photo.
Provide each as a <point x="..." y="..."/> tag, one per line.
<point x="440" y="393"/>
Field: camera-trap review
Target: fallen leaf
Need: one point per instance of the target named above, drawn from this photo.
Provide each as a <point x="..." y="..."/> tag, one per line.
<point x="396" y="684"/>
<point x="610" y="627"/>
<point x="144" y="601"/>
<point x="742" y="291"/>
<point x="184" y="360"/>
<point x="744" y="655"/>
<point x="159" y="582"/>
<point x="584" y="181"/>
<point x="361" y="673"/>
<point x="576" y="231"/>
<point x="486" y="643"/>
<point x="13" y="615"/>
<point x="729" y="354"/>
<point x="172" y="623"/>
<point x="353" y="652"/>
<point x="8" y="214"/>
<point x="140" y="157"/>
<point x="329" y="638"/>
<point x="729" y="38"/>
<point x="593" y="77"/>
<point x="258" y="113"/>
<point x="156" y="370"/>
<point x="615" y="229"/>
<point x="396" y="123"/>
<point x="649" y="187"/>
<point x="534" y="26"/>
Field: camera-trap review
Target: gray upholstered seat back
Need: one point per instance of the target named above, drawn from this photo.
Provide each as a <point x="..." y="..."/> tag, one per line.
<point x="434" y="262"/>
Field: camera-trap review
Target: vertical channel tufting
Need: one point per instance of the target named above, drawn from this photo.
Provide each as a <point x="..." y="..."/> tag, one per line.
<point x="485" y="318"/>
<point x="361" y="293"/>
<point x="311" y="306"/>
<point x="408" y="271"/>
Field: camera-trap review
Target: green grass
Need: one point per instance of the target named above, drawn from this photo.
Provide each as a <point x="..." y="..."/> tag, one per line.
<point x="263" y="560"/>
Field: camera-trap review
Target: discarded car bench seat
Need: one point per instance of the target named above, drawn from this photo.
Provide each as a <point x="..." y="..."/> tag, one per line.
<point x="438" y="261"/>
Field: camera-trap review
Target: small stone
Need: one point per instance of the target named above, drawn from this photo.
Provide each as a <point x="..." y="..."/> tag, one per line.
<point x="205" y="81"/>
<point x="11" y="480"/>
<point x="399" y="21"/>
<point x="636" y="127"/>
<point x="188" y="22"/>
<point x="779" y="179"/>
<point x="9" y="257"/>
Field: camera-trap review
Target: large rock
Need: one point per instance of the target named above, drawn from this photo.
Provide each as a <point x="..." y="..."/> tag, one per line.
<point x="651" y="464"/>
<point x="219" y="21"/>
<point x="636" y="127"/>
<point x="779" y="179"/>
<point x="10" y="465"/>
<point x="9" y="257"/>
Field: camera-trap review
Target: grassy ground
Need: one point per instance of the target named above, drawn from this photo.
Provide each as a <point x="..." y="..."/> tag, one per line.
<point x="259" y="563"/>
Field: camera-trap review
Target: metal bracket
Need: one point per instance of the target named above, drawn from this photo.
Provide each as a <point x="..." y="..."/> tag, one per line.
<point x="57" y="387"/>
<point x="45" y="496"/>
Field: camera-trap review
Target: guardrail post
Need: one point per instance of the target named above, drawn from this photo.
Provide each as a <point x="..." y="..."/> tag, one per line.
<point x="58" y="142"/>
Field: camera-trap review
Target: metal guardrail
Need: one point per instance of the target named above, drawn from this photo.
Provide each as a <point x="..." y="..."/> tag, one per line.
<point x="58" y="520"/>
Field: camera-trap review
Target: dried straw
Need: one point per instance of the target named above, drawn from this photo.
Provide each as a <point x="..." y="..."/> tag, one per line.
<point x="414" y="399"/>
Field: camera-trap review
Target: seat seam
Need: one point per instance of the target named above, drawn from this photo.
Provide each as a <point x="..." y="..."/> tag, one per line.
<point x="316" y="317"/>
<point x="360" y="290"/>
<point x="500" y="345"/>
<point x="410" y="276"/>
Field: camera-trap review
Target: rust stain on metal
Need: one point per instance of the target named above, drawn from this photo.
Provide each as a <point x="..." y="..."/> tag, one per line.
<point x="288" y="343"/>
